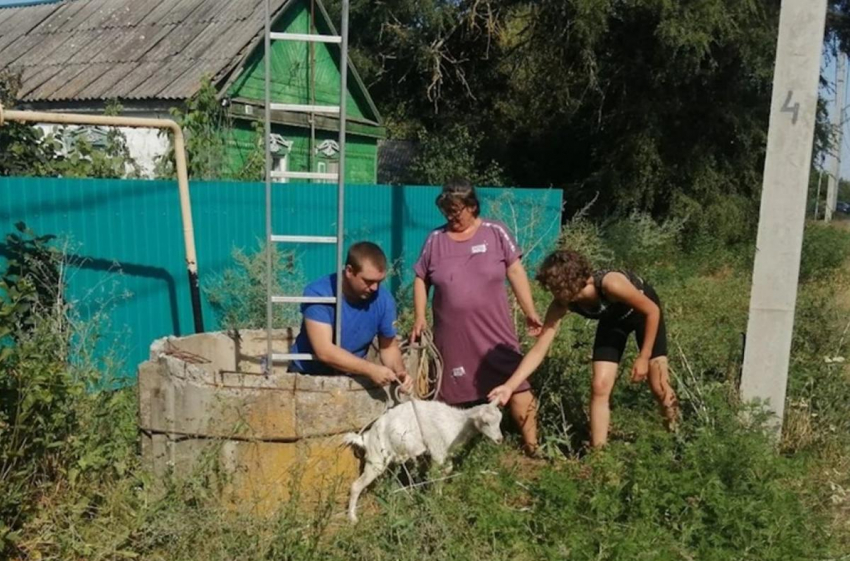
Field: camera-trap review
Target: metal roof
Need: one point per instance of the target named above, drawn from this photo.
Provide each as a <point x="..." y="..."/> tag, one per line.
<point x="11" y="3"/>
<point x="130" y="49"/>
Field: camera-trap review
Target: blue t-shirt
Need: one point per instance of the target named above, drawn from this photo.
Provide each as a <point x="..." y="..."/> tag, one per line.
<point x="361" y="322"/>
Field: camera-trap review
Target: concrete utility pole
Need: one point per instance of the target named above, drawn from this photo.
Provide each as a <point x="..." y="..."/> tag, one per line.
<point x="783" y="203"/>
<point x="834" y="179"/>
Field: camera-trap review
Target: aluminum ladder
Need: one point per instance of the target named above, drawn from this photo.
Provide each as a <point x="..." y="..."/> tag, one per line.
<point x="339" y="176"/>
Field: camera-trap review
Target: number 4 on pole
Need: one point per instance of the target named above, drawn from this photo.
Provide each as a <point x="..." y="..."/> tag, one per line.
<point x="788" y="108"/>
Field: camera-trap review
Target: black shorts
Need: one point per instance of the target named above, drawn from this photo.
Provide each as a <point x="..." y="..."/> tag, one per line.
<point x="611" y="334"/>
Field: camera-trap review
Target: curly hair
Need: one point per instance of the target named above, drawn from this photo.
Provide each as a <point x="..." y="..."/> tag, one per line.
<point x="564" y="272"/>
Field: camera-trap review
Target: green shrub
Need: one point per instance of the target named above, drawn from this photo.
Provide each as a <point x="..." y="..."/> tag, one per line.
<point x="639" y="242"/>
<point x="238" y="296"/>
<point x="55" y="427"/>
<point x="825" y="248"/>
<point x="586" y="237"/>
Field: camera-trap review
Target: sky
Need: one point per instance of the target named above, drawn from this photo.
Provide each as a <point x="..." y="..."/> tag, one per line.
<point x="828" y="93"/>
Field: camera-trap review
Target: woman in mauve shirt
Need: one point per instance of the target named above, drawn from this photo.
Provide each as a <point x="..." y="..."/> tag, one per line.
<point x="466" y="261"/>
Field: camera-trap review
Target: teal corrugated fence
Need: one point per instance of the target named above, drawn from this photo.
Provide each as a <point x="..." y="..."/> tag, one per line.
<point x="125" y="238"/>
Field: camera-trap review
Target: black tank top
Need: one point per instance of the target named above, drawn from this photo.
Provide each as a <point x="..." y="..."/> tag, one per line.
<point x="608" y="309"/>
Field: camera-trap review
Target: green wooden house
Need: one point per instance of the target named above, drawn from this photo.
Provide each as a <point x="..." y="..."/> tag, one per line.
<point x="152" y="55"/>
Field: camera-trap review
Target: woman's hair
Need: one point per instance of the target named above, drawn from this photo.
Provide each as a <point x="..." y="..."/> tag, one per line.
<point x="456" y="192"/>
<point x="564" y="272"/>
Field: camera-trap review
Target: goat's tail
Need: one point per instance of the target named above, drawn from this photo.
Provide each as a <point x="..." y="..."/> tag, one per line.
<point x="354" y="439"/>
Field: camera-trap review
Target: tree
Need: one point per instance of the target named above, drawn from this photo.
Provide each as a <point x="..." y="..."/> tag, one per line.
<point x="25" y="150"/>
<point x="655" y="105"/>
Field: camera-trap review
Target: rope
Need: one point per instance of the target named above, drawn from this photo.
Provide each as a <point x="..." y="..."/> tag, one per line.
<point x="424" y="364"/>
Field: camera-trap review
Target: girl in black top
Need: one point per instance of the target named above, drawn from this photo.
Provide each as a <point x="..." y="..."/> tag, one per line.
<point x="623" y="303"/>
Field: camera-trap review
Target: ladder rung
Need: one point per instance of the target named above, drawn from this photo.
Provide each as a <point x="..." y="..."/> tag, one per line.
<point x="304" y="175"/>
<point x="280" y="357"/>
<point x="312" y="37"/>
<point x="303" y="239"/>
<point x="296" y="107"/>
<point x="304" y="299"/>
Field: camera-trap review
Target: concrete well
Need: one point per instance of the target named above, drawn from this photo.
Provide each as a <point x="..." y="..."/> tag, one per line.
<point x="204" y="398"/>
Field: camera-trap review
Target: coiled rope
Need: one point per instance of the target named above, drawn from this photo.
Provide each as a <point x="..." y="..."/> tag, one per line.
<point x="424" y="365"/>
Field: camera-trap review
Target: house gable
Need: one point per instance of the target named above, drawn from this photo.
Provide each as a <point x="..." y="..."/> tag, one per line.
<point x="291" y="74"/>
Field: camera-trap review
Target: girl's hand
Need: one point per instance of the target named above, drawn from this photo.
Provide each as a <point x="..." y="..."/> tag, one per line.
<point x="640" y="369"/>
<point x="500" y="394"/>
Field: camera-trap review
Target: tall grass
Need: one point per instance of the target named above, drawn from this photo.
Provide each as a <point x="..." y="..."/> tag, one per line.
<point x="717" y="489"/>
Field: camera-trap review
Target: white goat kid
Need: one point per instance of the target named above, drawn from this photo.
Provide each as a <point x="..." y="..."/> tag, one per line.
<point x="415" y="428"/>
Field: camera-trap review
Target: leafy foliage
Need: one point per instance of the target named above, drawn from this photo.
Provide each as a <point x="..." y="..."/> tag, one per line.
<point x="24" y="150"/>
<point x="206" y="125"/>
<point x="453" y="154"/>
<point x="597" y="97"/>
<point x="30" y="282"/>
<point x="67" y="152"/>
<point x="53" y="427"/>
<point x="238" y="296"/>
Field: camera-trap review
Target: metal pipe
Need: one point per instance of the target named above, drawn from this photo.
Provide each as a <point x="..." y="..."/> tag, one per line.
<point x="340" y="202"/>
<point x="182" y="176"/>
<point x="311" y="150"/>
<point x="267" y="156"/>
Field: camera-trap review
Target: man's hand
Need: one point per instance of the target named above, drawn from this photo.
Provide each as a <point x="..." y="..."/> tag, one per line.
<point x="640" y="369"/>
<point x="502" y="394"/>
<point x="405" y="381"/>
<point x="382" y="375"/>
<point x="419" y="325"/>
<point x="534" y="324"/>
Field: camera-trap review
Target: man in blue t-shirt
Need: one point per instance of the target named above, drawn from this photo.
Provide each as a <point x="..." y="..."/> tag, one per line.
<point x="368" y="310"/>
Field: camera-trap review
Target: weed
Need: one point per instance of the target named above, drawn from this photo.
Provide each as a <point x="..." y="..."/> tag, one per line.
<point x="718" y="489"/>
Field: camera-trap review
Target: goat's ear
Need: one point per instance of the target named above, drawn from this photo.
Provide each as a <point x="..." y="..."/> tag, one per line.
<point x="493" y="405"/>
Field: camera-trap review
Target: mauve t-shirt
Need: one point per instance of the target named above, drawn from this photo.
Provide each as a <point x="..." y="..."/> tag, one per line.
<point x="473" y="328"/>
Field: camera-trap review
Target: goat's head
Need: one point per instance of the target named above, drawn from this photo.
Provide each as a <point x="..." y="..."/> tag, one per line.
<point x="488" y="419"/>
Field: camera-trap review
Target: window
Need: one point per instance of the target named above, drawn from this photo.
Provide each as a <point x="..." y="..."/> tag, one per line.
<point x="95" y="136"/>
<point x="279" y="148"/>
<point x="280" y="163"/>
<point x="327" y="166"/>
<point x="328" y="153"/>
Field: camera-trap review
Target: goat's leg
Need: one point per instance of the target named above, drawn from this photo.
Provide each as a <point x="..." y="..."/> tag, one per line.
<point x="439" y="457"/>
<point x="370" y="472"/>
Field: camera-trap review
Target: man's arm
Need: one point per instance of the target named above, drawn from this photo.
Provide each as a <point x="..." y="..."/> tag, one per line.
<point x="391" y="353"/>
<point x="321" y="338"/>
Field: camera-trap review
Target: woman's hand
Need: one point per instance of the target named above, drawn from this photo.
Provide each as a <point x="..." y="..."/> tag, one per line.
<point x="534" y="324"/>
<point x="640" y="369"/>
<point x="500" y="394"/>
<point x="419" y="325"/>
